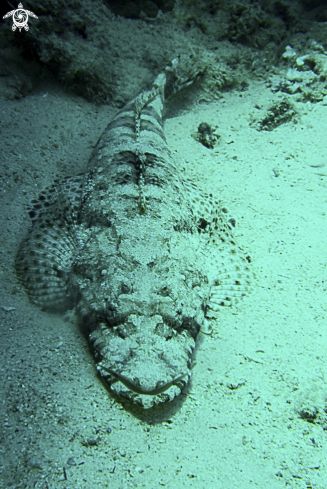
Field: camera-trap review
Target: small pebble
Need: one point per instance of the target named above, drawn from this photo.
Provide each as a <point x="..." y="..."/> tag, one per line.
<point x="71" y="461"/>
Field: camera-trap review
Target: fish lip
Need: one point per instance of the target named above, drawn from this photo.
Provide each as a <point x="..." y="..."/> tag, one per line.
<point x="138" y="389"/>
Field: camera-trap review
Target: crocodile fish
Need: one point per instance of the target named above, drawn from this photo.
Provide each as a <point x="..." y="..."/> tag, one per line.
<point x="145" y="256"/>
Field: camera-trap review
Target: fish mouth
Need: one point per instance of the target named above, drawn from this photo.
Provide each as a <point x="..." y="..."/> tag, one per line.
<point x="159" y="389"/>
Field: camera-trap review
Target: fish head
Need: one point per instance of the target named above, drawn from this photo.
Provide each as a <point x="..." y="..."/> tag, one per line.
<point x="145" y="359"/>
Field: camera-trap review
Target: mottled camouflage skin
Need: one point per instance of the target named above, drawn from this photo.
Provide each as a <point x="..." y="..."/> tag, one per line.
<point x="135" y="249"/>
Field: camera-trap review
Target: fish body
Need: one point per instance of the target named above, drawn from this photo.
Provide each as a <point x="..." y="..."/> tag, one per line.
<point x="145" y="256"/>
